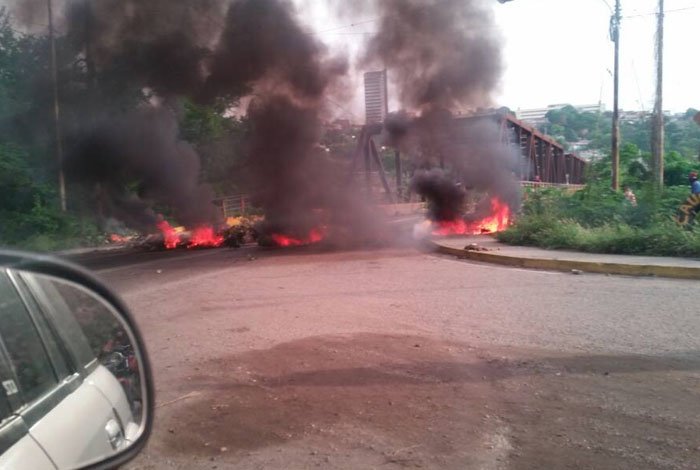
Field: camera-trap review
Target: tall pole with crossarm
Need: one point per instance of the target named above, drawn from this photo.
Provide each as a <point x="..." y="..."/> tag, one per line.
<point x="615" y="141"/>
<point x="657" y="135"/>
<point x="58" y="149"/>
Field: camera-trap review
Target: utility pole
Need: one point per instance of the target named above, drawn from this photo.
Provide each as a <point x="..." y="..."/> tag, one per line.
<point x="615" y="150"/>
<point x="657" y="134"/>
<point x="56" y="111"/>
<point x="89" y="63"/>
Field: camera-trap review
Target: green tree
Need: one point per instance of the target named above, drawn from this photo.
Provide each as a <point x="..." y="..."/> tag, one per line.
<point x="676" y="169"/>
<point x="219" y="138"/>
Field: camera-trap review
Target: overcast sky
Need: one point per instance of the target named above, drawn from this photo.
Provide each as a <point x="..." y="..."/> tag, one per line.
<point x="559" y="51"/>
<point x="556" y="51"/>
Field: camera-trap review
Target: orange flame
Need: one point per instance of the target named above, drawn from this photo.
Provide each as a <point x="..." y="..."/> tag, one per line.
<point x="314" y="236"/>
<point x="497" y="221"/>
<point x="171" y="239"/>
<point x="205" y="237"/>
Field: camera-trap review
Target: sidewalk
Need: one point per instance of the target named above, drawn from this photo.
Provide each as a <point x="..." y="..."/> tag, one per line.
<point x="559" y="260"/>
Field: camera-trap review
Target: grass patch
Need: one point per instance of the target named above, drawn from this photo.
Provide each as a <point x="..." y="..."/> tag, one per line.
<point x="597" y="220"/>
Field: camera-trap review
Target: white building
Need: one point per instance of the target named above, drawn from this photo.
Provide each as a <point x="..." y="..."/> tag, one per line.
<point x="376" y="97"/>
<point x="537" y="116"/>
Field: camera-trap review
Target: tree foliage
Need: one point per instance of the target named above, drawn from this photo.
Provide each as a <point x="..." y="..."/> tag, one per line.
<point x="29" y="205"/>
<point x="682" y="143"/>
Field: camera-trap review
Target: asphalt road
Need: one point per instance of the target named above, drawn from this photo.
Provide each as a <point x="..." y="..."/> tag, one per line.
<point x="396" y="358"/>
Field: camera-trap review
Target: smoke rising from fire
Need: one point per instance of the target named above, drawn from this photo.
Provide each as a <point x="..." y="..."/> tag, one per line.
<point x="441" y="54"/>
<point x="206" y="51"/>
<point x="445" y="59"/>
<point x="142" y="146"/>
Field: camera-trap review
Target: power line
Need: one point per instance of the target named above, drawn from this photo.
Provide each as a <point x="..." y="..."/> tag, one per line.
<point x="351" y="25"/>
<point x="365" y="33"/>
<point x="640" y="15"/>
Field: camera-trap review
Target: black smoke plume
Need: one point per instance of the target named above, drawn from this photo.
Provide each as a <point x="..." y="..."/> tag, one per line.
<point x="206" y="51"/>
<point x="445" y="59"/>
<point x="141" y="146"/>
<point x="442" y="54"/>
<point x="445" y="198"/>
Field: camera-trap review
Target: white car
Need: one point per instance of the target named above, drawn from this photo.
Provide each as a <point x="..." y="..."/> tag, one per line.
<point x="60" y="407"/>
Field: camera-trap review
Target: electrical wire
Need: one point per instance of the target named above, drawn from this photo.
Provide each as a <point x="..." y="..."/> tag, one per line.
<point x="640" y="15"/>
<point x="351" y="25"/>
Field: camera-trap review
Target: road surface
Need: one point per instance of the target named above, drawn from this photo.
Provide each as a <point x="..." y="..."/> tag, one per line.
<point x="397" y="358"/>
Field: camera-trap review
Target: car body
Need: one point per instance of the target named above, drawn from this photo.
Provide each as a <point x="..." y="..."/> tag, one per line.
<point x="60" y="407"/>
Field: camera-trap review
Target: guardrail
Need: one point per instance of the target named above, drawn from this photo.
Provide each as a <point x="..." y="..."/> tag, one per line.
<point x="239" y="204"/>
<point x="535" y="184"/>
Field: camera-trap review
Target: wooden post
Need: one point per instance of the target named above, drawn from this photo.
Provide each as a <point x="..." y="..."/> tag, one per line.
<point x="657" y="135"/>
<point x="615" y="144"/>
<point x="58" y="149"/>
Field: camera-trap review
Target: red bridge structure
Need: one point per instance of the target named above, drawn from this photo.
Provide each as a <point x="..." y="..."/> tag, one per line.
<point x="545" y="159"/>
<point x="545" y="162"/>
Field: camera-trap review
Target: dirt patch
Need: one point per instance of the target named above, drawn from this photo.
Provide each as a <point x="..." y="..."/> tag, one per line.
<point x="622" y="412"/>
<point x="405" y="401"/>
<point x="367" y="401"/>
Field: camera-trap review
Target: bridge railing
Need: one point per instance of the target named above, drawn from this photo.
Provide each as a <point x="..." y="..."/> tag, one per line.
<point x="537" y="184"/>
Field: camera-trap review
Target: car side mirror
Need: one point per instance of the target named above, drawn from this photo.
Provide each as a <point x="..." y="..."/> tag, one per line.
<point x="77" y="389"/>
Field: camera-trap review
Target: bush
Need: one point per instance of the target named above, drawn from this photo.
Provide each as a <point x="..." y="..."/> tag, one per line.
<point x="663" y="239"/>
<point x="601" y="221"/>
<point x="29" y="209"/>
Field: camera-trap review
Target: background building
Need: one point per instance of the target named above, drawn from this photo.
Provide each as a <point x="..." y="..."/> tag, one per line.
<point x="537" y="116"/>
<point x="376" y="98"/>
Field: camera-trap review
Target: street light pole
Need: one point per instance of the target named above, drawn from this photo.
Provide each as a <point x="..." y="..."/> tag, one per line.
<point x="615" y="150"/>
<point x="56" y="111"/>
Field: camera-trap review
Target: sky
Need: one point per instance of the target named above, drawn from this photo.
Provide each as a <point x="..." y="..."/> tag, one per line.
<point x="554" y="51"/>
<point x="559" y="51"/>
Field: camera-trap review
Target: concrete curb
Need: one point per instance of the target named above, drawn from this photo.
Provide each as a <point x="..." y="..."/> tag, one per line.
<point x="676" y="272"/>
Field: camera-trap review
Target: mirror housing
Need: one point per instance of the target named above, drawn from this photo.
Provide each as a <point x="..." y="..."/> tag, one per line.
<point x="46" y="266"/>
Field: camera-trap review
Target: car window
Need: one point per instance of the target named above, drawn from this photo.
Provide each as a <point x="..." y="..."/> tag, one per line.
<point x="98" y="323"/>
<point x="23" y="344"/>
<point x="57" y="352"/>
<point x="64" y="318"/>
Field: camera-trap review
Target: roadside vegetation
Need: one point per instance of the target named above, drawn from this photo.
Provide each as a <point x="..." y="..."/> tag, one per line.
<point x="30" y="213"/>
<point x="599" y="220"/>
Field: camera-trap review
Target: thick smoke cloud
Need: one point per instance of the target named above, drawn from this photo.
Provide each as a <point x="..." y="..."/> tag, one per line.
<point x="206" y="51"/>
<point x="263" y="41"/>
<point x="441" y="54"/>
<point x="290" y="176"/>
<point x="445" y="198"/>
<point x="444" y="58"/>
<point x="141" y="146"/>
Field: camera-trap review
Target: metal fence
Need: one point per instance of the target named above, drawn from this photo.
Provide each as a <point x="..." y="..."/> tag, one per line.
<point x="236" y="205"/>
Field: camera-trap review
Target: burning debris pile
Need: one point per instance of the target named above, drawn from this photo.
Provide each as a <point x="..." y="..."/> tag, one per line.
<point x="200" y="237"/>
<point x="498" y="220"/>
<point x="443" y="58"/>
